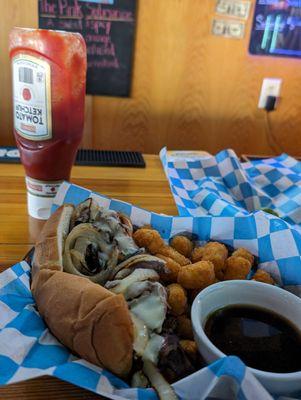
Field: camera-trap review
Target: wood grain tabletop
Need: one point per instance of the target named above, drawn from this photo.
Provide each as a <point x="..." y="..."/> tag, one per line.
<point x="147" y="188"/>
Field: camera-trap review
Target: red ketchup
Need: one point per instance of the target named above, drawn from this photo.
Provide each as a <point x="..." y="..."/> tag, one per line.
<point x="49" y="83"/>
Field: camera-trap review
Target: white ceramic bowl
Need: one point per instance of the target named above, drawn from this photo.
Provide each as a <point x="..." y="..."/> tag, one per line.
<point x="253" y="293"/>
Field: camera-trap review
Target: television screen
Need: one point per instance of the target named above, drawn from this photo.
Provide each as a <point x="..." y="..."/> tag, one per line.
<point x="276" y="29"/>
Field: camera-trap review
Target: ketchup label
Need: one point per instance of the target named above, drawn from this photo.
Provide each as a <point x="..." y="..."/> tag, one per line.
<point x="32" y="97"/>
<point x="41" y="188"/>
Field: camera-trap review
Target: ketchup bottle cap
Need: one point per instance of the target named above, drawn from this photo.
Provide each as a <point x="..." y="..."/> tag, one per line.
<point x="39" y="207"/>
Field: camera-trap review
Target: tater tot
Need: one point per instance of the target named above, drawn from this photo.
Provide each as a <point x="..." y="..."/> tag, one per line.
<point x="168" y="251"/>
<point x="237" y="268"/>
<point x="173" y="268"/>
<point x="150" y="239"/>
<point x="182" y="244"/>
<point x="241" y="252"/>
<point x="263" y="276"/>
<point x="176" y="298"/>
<point x="217" y="253"/>
<point x="194" y="292"/>
<point x="197" y="276"/>
<point x="190" y="348"/>
<point x="184" y="327"/>
<point x="197" y="254"/>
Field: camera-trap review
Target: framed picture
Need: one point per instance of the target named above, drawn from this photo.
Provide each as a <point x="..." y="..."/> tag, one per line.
<point x="276" y="29"/>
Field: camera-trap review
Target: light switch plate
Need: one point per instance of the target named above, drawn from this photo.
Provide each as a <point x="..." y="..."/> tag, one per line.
<point x="270" y="87"/>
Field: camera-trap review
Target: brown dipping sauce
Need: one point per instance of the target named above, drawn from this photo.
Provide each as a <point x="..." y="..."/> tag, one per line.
<point x="262" y="339"/>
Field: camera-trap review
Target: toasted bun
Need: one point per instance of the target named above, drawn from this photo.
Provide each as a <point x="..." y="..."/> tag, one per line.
<point x="87" y="318"/>
<point x="49" y="248"/>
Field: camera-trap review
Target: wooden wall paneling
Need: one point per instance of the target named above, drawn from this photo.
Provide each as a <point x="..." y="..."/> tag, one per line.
<point x="190" y="89"/>
<point x="194" y="90"/>
<point x="142" y="121"/>
<point x="125" y="123"/>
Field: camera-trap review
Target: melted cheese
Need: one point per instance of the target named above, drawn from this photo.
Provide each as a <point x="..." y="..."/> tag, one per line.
<point x="144" y="345"/>
<point x="138" y="275"/>
<point x="151" y="309"/>
<point x="141" y="335"/>
<point x="153" y="348"/>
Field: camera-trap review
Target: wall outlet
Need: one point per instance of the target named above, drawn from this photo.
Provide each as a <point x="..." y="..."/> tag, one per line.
<point x="270" y="87"/>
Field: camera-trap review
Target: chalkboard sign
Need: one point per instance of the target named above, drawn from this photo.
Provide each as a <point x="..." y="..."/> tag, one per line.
<point x="108" y="27"/>
<point x="276" y="28"/>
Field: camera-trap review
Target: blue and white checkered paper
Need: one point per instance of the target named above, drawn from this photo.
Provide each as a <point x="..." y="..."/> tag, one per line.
<point x="223" y="186"/>
<point x="28" y="349"/>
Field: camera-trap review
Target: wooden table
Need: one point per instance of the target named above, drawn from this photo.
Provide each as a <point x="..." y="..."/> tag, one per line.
<point x="147" y="188"/>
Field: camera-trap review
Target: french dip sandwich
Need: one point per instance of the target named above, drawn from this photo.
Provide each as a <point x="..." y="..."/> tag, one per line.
<point x="101" y="296"/>
<point x="87" y="318"/>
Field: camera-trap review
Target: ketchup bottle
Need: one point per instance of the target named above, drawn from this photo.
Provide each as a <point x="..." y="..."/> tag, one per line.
<point x="49" y="83"/>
